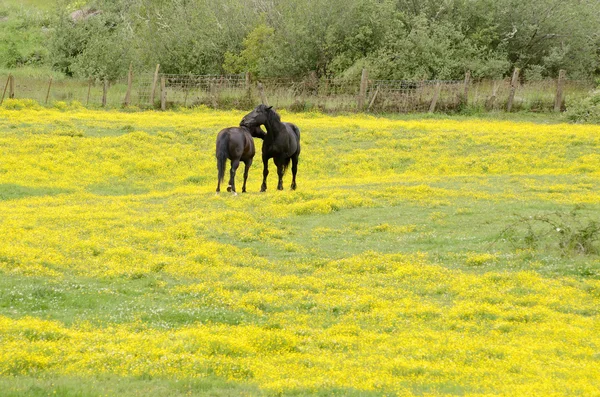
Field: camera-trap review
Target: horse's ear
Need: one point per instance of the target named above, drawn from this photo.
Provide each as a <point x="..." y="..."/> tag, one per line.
<point x="270" y="107"/>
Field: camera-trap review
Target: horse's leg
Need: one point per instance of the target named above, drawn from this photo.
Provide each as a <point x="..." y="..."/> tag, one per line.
<point x="294" y="170"/>
<point x="265" y="160"/>
<point x="234" y="166"/>
<point x="247" y="165"/>
<point x="280" y="170"/>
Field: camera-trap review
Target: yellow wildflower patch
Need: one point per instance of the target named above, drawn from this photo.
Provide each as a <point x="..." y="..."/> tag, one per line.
<point x="380" y="274"/>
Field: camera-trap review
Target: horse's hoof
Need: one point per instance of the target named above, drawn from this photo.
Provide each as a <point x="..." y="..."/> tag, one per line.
<point x="229" y="188"/>
<point x="234" y="193"/>
<point x="293" y="187"/>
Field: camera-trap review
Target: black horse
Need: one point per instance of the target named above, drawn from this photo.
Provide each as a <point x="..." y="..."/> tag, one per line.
<point x="236" y="144"/>
<point x="281" y="142"/>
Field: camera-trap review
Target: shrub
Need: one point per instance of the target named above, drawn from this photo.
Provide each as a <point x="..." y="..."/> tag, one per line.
<point x="60" y="105"/>
<point x="587" y="110"/>
<point x="76" y="105"/>
<point x="570" y="232"/>
<point x="18" y="104"/>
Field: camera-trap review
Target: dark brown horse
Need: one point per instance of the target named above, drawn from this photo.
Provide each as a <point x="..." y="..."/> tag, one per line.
<point x="236" y="144"/>
<point x="281" y="143"/>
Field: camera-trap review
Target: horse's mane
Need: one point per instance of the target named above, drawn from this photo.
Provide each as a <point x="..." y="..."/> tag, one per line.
<point x="275" y="121"/>
<point x="273" y="115"/>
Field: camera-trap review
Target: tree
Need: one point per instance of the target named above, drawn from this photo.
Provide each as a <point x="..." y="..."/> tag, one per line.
<point x="94" y="47"/>
<point x="405" y="39"/>
<point x="258" y="47"/>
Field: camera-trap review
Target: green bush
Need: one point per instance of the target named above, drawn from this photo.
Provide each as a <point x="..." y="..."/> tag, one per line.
<point x="571" y="232"/>
<point x="587" y="110"/>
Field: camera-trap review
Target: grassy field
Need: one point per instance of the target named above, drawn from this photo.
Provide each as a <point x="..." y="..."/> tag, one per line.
<point x="406" y="263"/>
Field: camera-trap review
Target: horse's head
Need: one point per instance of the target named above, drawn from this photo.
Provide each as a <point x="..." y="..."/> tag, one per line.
<point x="256" y="117"/>
<point x="255" y="131"/>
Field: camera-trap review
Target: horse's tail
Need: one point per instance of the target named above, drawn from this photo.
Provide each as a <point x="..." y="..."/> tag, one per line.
<point x="286" y="164"/>
<point x="296" y="131"/>
<point x="222" y="154"/>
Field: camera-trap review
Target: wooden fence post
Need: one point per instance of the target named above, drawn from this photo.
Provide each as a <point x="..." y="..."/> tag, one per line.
<point x="436" y="95"/>
<point x="560" y="100"/>
<point x="513" y="87"/>
<point x="263" y="97"/>
<point x="466" y="91"/>
<point x="163" y="93"/>
<point x="489" y="104"/>
<point x="313" y="83"/>
<point x="11" y="86"/>
<point x="248" y="87"/>
<point x="215" y="89"/>
<point x="363" y="89"/>
<point x="48" y="92"/>
<point x="373" y="99"/>
<point x="154" y="81"/>
<point x="104" y="93"/>
<point x="5" y="88"/>
<point x="248" y="80"/>
<point x="129" y="84"/>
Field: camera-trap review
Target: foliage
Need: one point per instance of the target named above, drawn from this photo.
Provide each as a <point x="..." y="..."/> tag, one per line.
<point x="22" y="36"/>
<point x="586" y="110"/>
<point x="254" y="58"/>
<point x="96" y="47"/>
<point x="18" y="104"/>
<point x="190" y="36"/>
<point x="535" y="73"/>
<point x="275" y="38"/>
<point x="433" y="50"/>
<point x="570" y="232"/>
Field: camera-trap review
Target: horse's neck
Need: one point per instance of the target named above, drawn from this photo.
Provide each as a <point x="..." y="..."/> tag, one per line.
<point x="274" y="127"/>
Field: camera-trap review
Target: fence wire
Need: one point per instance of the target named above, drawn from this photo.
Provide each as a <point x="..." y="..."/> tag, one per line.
<point x="211" y="90"/>
<point x="310" y="93"/>
<point x="86" y="92"/>
<point x="405" y="96"/>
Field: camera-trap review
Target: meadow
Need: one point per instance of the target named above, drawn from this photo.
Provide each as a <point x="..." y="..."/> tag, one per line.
<point x="408" y="261"/>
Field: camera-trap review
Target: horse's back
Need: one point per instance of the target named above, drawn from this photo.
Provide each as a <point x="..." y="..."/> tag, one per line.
<point x="237" y="142"/>
<point x="294" y="128"/>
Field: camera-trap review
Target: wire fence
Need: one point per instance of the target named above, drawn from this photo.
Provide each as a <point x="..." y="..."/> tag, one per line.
<point x="404" y="96"/>
<point x="536" y="96"/>
<point x="165" y="91"/>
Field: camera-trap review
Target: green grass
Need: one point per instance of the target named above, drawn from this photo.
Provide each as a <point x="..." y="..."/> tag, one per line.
<point x="10" y="191"/>
<point x="35" y="4"/>
<point x="447" y="230"/>
<point x="117" y="386"/>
